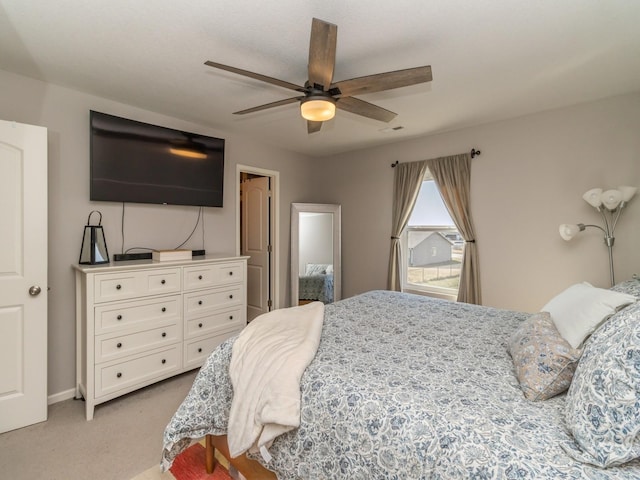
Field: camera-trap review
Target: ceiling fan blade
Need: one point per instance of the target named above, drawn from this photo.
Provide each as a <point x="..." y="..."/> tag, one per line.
<point x="286" y="101"/>
<point x="256" y="76"/>
<point x="313" y="127"/>
<point x="366" y="109"/>
<point x="384" y="81"/>
<point x="322" y="53"/>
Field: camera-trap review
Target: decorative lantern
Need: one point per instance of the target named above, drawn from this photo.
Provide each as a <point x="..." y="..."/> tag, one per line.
<point x="94" y="246"/>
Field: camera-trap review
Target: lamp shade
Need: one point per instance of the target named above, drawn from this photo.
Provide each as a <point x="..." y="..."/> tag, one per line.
<point x="567" y="231"/>
<point x="318" y="108"/>
<point x="627" y="193"/>
<point x="611" y="199"/>
<point x="94" y="246"/>
<point x="593" y="197"/>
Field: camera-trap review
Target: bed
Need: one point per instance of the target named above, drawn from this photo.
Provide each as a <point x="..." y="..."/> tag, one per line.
<point x="410" y="387"/>
<point x="316" y="283"/>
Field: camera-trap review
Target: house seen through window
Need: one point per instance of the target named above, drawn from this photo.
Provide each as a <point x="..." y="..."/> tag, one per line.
<point x="434" y="248"/>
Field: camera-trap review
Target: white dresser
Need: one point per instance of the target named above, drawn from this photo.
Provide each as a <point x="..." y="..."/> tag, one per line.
<point x="139" y="322"/>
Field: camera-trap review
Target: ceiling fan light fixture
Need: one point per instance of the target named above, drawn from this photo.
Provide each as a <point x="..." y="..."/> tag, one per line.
<point x="318" y="102"/>
<point x="318" y="108"/>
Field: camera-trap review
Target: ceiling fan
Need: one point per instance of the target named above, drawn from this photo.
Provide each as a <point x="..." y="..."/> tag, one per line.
<point x="320" y="96"/>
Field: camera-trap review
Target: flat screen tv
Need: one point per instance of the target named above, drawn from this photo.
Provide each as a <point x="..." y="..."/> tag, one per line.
<point x="141" y="163"/>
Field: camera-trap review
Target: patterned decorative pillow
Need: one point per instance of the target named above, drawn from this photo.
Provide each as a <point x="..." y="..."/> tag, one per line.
<point x="544" y="361"/>
<point x="631" y="287"/>
<point x="316" y="269"/>
<point x="603" y="403"/>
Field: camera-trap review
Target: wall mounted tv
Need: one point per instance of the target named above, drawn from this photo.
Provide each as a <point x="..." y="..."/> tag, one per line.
<point x="141" y="163"/>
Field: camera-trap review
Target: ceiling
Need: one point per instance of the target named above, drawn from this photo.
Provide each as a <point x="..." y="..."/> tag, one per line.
<point x="491" y="59"/>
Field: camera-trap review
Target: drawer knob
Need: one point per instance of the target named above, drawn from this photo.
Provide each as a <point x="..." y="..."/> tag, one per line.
<point x="164" y="334"/>
<point x="164" y="361"/>
<point x="119" y="345"/>
<point x="118" y="287"/>
<point x="164" y="309"/>
<point x="119" y="317"/>
<point x="230" y="296"/>
<point x="200" y="350"/>
<point x="230" y="317"/>
<point x="199" y="325"/>
<point x="199" y="302"/>
<point x="199" y="277"/>
<point x="230" y="273"/>
<point x="118" y="374"/>
<point x="163" y="281"/>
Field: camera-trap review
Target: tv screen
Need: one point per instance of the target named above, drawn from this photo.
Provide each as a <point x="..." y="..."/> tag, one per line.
<point x="141" y="163"/>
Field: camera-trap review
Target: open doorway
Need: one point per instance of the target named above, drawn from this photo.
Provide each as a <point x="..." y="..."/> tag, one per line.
<point x="257" y="236"/>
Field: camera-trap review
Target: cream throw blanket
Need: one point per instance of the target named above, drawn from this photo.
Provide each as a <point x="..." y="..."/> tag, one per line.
<point x="267" y="362"/>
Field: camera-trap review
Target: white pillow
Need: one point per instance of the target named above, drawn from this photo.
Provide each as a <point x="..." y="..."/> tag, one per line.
<point x="581" y="308"/>
<point x="329" y="269"/>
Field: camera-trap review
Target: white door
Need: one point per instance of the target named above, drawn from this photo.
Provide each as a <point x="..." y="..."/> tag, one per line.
<point x="23" y="275"/>
<point x="255" y="244"/>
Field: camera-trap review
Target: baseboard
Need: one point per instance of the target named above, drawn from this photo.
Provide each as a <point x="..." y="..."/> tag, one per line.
<point x="61" y="396"/>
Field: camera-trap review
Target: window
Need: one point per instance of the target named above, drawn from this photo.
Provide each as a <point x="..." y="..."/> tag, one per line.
<point x="433" y="246"/>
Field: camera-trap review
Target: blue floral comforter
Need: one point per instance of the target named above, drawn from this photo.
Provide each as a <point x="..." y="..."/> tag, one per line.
<point x="404" y="387"/>
<point x="316" y="287"/>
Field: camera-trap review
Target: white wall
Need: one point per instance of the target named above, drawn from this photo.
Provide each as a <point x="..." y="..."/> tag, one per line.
<point x="316" y="239"/>
<point x="66" y="115"/>
<point x="529" y="179"/>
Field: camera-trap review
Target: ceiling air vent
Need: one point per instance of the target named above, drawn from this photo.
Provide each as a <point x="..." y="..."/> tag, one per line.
<point x="391" y="129"/>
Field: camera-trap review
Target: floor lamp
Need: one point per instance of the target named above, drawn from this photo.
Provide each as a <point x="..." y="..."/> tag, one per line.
<point x="610" y="205"/>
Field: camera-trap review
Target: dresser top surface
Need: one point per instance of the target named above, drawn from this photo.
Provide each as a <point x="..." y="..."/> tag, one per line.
<point x="141" y="264"/>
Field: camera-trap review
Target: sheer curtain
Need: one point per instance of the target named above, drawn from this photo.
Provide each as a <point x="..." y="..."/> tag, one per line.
<point x="407" y="181"/>
<point x="453" y="177"/>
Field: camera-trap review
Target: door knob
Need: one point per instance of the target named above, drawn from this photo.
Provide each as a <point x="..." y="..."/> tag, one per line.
<point x="34" y="290"/>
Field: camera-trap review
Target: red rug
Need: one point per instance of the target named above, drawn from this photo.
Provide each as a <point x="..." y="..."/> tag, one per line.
<point x="190" y="465"/>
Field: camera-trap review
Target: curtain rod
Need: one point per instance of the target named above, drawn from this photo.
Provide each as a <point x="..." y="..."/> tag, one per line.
<point x="474" y="153"/>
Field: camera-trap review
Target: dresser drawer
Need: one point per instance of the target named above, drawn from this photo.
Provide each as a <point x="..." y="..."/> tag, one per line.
<point x="197" y="304"/>
<point x="124" y="285"/>
<point x="112" y="377"/>
<point x="137" y="315"/>
<point x="197" y="351"/>
<point x="108" y="347"/>
<point x="204" y="276"/>
<point x="232" y="319"/>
